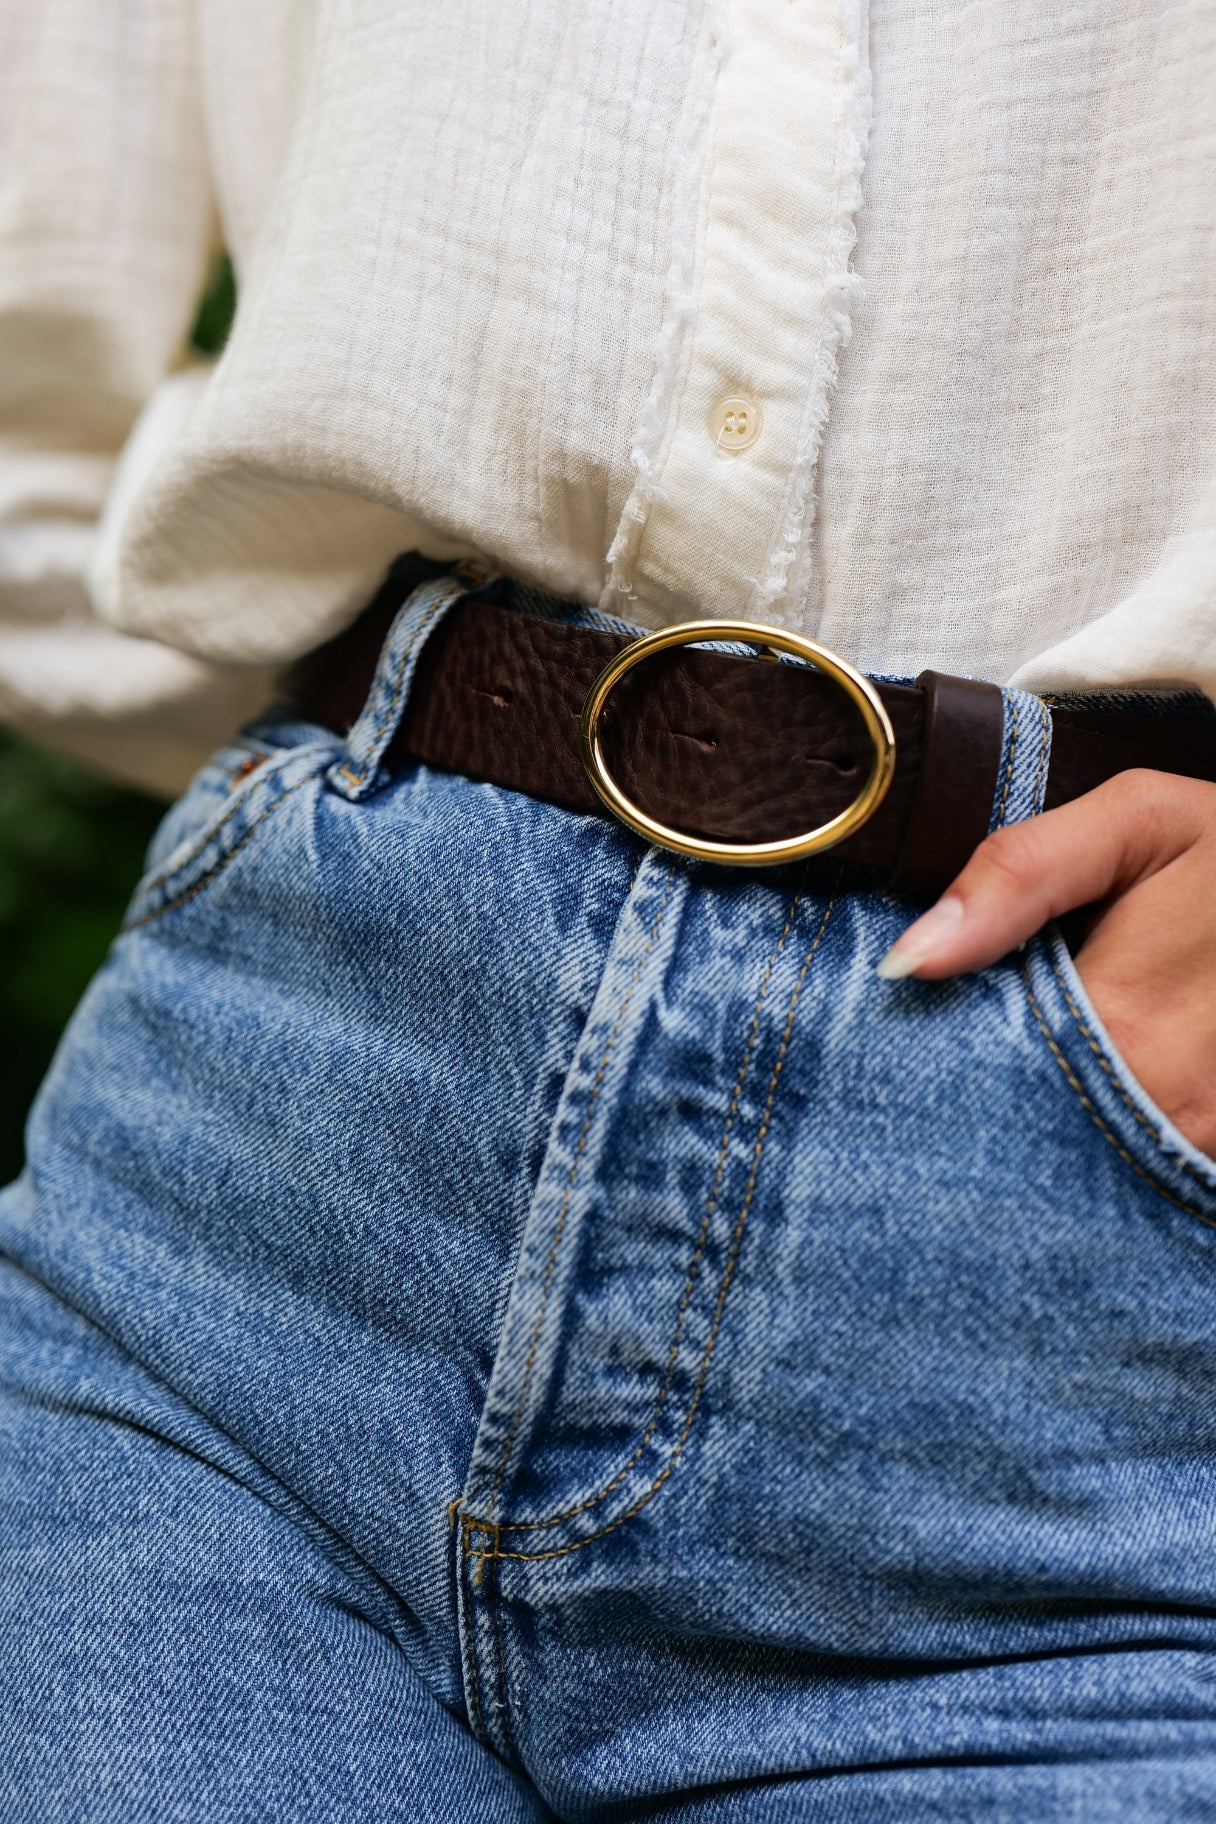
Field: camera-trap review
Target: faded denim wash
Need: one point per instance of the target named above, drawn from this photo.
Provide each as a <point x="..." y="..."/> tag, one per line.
<point x="500" y="1324"/>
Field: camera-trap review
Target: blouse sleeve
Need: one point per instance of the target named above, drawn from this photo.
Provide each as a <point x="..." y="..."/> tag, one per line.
<point x="107" y="227"/>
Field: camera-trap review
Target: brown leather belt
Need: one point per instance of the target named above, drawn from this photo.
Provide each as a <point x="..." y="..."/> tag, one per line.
<point x="731" y="748"/>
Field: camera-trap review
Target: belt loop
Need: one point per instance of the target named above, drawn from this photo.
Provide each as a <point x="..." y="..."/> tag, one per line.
<point x="965" y="725"/>
<point x="1025" y="759"/>
<point x="358" y="773"/>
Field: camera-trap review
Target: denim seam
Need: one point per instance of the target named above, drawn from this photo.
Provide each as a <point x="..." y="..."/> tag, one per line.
<point x="572" y="1178"/>
<point x="420" y="632"/>
<point x="1013" y="748"/>
<point x="171" y="905"/>
<point x="1106" y="1131"/>
<point x="474" y="1665"/>
<point x="1044" y="743"/>
<point x="477" y="1710"/>
<point x="209" y="835"/>
<point x="503" y="1698"/>
<point x="528" y="1526"/>
<point x="235" y="801"/>
<point x="1118" y="1085"/>
<point x="564" y="1551"/>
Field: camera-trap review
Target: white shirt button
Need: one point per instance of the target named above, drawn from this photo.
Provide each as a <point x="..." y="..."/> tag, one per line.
<point x="735" y="423"/>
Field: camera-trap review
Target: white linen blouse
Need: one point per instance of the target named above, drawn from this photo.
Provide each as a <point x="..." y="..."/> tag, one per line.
<point x="891" y="323"/>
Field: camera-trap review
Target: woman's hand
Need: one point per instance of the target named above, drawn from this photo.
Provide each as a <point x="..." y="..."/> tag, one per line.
<point x="1142" y="848"/>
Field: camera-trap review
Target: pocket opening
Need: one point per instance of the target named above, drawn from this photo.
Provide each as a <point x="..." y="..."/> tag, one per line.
<point x="1116" y="1102"/>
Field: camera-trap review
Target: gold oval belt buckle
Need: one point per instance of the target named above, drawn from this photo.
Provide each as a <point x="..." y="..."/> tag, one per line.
<point x="742" y="854"/>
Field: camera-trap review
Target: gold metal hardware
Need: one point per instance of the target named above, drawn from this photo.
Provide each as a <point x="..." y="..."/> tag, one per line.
<point x="857" y="688"/>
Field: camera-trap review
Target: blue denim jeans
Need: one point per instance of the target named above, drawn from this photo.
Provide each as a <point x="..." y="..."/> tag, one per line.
<point x="500" y="1324"/>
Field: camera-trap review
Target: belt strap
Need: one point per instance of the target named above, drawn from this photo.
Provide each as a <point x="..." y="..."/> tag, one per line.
<point x="735" y="749"/>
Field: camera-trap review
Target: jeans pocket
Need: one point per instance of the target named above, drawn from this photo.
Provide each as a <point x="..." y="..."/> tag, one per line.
<point x="222" y="808"/>
<point x="1118" y="1105"/>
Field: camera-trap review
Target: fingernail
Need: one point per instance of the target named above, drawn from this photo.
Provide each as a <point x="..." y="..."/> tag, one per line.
<point x="922" y="940"/>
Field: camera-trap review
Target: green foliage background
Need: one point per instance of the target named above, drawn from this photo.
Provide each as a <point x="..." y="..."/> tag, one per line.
<point x="71" y="849"/>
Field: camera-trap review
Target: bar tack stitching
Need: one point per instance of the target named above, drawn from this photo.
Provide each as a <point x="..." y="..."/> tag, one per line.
<point x="571" y="1180"/>
<point x="564" y="1551"/>
<point x="529" y="1526"/>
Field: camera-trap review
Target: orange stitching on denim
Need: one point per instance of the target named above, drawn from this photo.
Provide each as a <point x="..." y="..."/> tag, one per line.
<point x="1107" y="1134"/>
<point x="571" y="1179"/>
<point x="1013" y="748"/>
<point x="481" y="1553"/>
<point x="531" y="1526"/>
<point x="418" y="634"/>
<point x="564" y="1551"/>
<point x="170" y="905"/>
<point x="1117" y="1085"/>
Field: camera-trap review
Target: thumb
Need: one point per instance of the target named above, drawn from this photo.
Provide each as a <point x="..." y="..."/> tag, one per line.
<point x="1098" y="845"/>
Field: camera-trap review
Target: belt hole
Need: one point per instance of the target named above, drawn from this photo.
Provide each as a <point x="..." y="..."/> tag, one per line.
<point x="844" y="763"/>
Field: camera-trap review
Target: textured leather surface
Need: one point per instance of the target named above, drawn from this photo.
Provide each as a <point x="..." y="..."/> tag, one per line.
<point x="952" y="804"/>
<point x="735" y="748"/>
